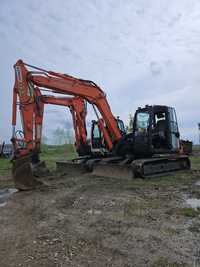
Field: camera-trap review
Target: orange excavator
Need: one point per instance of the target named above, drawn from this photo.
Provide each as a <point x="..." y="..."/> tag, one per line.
<point x="152" y="148"/>
<point x="78" y="110"/>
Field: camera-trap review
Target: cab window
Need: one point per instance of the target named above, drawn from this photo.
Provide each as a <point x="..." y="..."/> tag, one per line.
<point x="142" y="121"/>
<point x="173" y="120"/>
<point x="121" y="126"/>
<point x="96" y="132"/>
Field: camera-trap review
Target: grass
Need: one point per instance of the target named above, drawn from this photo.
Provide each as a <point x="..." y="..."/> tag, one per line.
<point x="5" y="171"/>
<point x="186" y="211"/>
<point x="196" y="147"/>
<point x="50" y="154"/>
<point x="5" y="166"/>
<point x="195" y="162"/>
<point x="189" y="212"/>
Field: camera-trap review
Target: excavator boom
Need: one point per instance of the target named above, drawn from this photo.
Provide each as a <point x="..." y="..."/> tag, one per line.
<point x="65" y="84"/>
<point x="22" y="167"/>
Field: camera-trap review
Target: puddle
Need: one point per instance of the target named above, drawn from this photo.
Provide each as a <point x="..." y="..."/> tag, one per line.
<point x="193" y="202"/>
<point x="2" y="204"/>
<point x="5" y="194"/>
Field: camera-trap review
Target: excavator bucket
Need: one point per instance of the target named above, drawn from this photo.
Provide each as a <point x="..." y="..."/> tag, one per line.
<point x="22" y="173"/>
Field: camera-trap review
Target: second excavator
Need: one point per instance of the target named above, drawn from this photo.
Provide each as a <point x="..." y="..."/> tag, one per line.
<point x="153" y="146"/>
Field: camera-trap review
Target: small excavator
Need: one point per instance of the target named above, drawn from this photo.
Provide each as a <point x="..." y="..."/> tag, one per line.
<point x="25" y="167"/>
<point x="152" y="148"/>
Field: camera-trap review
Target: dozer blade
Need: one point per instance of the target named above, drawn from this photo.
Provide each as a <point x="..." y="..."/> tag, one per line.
<point x="23" y="174"/>
<point x="113" y="170"/>
<point x="70" y="167"/>
<point x="113" y="167"/>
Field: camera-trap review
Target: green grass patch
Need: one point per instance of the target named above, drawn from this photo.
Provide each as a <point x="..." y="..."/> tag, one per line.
<point x="186" y="211"/>
<point x="196" y="147"/>
<point x="50" y="154"/>
<point x="195" y="162"/>
<point x="6" y="184"/>
<point x="189" y="212"/>
<point x="5" y="167"/>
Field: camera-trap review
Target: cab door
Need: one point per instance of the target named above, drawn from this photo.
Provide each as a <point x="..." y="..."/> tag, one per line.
<point x="96" y="136"/>
<point x="141" y="127"/>
<point x="173" y="130"/>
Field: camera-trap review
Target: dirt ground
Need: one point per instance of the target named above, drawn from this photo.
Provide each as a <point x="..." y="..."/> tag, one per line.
<point x="83" y="220"/>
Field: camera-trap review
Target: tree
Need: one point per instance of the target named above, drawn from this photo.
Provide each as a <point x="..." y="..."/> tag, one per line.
<point x="129" y="127"/>
<point x="63" y="136"/>
<point x="44" y="139"/>
<point x="59" y="136"/>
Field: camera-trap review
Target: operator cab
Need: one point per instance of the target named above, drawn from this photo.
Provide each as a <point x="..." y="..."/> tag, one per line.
<point x="98" y="144"/>
<point x="155" y="130"/>
<point x="121" y="126"/>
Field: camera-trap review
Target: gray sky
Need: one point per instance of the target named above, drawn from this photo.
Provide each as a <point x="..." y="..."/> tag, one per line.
<point x="138" y="51"/>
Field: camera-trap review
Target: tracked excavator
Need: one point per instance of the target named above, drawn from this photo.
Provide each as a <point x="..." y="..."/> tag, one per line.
<point x="27" y="165"/>
<point x="153" y="146"/>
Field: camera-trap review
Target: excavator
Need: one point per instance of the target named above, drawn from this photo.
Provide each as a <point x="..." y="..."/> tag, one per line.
<point x="153" y="146"/>
<point x="78" y="110"/>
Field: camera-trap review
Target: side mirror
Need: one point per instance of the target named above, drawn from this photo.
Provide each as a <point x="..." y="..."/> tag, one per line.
<point x="177" y="134"/>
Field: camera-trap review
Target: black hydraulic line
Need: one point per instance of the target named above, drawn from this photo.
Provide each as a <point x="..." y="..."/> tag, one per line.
<point x="95" y="111"/>
<point x="34" y="67"/>
<point x="79" y="79"/>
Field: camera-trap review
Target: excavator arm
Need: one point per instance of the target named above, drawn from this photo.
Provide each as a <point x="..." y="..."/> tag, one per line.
<point x="77" y="108"/>
<point x="27" y="94"/>
<point x="31" y="112"/>
<point x="26" y="81"/>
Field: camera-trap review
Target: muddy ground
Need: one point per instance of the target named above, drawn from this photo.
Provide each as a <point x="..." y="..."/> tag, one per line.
<point x="83" y="220"/>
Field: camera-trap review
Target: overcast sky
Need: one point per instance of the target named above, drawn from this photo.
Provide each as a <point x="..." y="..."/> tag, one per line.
<point x="139" y="51"/>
